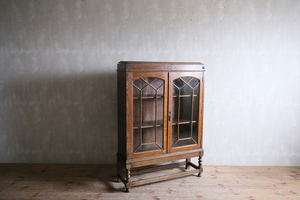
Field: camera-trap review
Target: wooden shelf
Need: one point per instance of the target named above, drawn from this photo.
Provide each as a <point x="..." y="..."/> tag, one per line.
<point x="185" y="95"/>
<point x="150" y="124"/>
<point x="148" y="97"/>
<point x="182" y="122"/>
<point x="153" y="97"/>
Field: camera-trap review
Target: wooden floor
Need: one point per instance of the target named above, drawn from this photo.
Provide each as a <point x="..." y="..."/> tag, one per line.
<point x="49" y="181"/>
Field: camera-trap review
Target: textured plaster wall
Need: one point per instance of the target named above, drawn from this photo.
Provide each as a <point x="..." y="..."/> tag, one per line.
<point x="58" y="75"/>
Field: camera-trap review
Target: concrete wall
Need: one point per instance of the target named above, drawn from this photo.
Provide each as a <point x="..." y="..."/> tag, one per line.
<point x="58" y="75"/>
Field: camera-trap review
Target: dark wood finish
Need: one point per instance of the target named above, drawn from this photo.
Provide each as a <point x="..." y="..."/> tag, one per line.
<point x="122" y="113"/>
<point x="163" y="178"/>
<point x="131" y="78"/>
<point x="172" y="77"/>
<point x="156" y="125"/>
<point x="134" y="66"/>
<point x="151" y="160"/>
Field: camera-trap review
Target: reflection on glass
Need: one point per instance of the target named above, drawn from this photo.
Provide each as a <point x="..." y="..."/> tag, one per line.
<point x="148" y="104"/>
<point x="185" y="111"/>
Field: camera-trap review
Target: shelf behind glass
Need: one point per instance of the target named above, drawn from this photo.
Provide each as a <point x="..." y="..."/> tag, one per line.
<point x="149" y="124"/>
<point x="182" y="122"/>
<point x="185" y="95"/>
<point x="148" y="97"/>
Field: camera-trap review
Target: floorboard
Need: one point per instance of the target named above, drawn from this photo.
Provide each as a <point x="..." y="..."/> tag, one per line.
<point x="51" y="181"/>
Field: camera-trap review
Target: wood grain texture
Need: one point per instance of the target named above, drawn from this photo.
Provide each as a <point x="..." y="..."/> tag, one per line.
<point x="131" y="78"/>
<point x="144" y="115"/>
<point x="50" y="181"/>
<point x="172" y="77"/>
<point x="132" y="66"/>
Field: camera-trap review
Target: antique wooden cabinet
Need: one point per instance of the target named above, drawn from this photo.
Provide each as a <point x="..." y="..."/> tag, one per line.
<point x="160" y="116"/>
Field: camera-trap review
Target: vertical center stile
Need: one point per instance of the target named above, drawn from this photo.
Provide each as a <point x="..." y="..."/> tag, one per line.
<point x="178" y="116"/>
<point x="155" y="116"/>
<point x="192" y="104"/>
<point x="141" y="117"/>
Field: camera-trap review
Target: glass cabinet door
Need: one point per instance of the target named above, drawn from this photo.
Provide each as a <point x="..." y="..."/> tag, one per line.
<point x="184" y="110"/>
<point x="149" y="104"/>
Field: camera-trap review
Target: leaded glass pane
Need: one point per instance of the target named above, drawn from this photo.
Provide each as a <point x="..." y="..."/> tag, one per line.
<point x="186" y="79"/>
<point x="139" y="83"/>
<point x="178" y="82"/>
<point x="148" y="112"/>
<point x="193" y="82"/>
<point x="185" y="111"/>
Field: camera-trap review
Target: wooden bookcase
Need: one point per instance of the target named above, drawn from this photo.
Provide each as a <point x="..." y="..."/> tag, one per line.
<point x="160" y="116"/>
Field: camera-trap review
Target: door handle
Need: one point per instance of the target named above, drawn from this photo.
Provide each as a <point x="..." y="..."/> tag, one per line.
<point x="170" y="116"/>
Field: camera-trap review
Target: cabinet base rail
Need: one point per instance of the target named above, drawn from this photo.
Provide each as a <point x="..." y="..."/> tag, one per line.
<point x="128" y="183"/>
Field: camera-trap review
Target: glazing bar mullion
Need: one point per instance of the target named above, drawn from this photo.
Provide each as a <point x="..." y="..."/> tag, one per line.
<point x="178" y="114"/>
<point x="192" y="113"/>
<point x="141" y="117"/>
<point x="155" y="116"/>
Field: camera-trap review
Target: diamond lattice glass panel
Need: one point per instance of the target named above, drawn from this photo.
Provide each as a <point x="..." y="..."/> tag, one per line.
<point x="175" y="136"/>
<point x="139" y="83"/>
<point x="195" y="107"/>
<point x="186" y="79"/>
<point x="186" y="90"/>
<point x="185" y="131"/>
<point x="136" y="135"/>
<point x="175" y="91"/>
<point x="160" y="92"/>
<point x="160" y="111"/>
<point x="193" y="82"/>
<point x="136" y="92"/>
<point x="184" y="137"/>
<point x="159" y="136"/>
<point x="148" y="147"/>
<point x="148" y="140"/>
<point x="149" y="80"/>
<point x="196" y="90"/>
<point x="185" y="111"/>
<point x="136" y="112"/>
<point x="178" y="83"/>
<point x="186" y="142"/>
<point x="148" y="112"/>
<point x="195" y="131"/>
<point x="157" y="83"/>
<point x="175" y="105"/>
<point x="148" y="91"/>
<point x="148" y="135"/>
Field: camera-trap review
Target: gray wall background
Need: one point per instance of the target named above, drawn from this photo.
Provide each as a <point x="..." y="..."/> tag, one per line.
<point x="58" y="75"/>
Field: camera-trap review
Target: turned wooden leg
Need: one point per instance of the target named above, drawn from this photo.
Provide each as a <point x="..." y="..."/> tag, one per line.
<point x="200" y="166"/>
<point x="186" y="163"/>
<point x="128" y="183"/>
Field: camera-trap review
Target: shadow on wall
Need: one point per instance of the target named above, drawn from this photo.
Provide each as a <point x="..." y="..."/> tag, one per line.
<point x="60" y="120"/>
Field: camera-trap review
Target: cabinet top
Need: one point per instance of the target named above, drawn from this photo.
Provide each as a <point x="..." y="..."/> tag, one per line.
<point x="135" y="66"/>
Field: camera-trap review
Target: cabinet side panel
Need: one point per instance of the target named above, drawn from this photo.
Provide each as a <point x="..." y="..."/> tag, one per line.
<point x="121" y="66"/>
<point x="122" y="113"/>
<point x="202" y="108"/>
